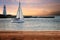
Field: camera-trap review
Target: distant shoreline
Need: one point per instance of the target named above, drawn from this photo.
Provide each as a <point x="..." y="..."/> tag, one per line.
<point x="11" y="16"/>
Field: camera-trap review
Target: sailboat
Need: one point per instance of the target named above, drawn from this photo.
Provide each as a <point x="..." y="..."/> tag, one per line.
<point x="19" y="17"/>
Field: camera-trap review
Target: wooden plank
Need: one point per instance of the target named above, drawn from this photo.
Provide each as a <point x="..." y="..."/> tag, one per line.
<point x="29" y="35"/>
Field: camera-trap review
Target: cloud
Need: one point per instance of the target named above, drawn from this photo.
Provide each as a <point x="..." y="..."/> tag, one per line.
<point x="32" y="7"/>
<point x="12" y="9"/>
<point x="1" y="9"/>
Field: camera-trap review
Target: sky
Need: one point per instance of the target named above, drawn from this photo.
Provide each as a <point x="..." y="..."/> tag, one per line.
<point x="31" y="7"/>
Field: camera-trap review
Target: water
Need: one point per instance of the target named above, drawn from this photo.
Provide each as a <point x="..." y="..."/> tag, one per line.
<point x="30" y="24"/>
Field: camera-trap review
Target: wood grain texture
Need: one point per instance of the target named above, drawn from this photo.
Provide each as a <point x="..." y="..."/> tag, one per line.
<point x="29" y="35"/>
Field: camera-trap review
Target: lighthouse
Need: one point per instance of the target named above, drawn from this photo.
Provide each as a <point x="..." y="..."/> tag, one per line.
<point x="4" y="9"/>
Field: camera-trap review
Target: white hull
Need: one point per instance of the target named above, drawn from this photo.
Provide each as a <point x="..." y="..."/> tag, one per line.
<point x="17" y="21"/>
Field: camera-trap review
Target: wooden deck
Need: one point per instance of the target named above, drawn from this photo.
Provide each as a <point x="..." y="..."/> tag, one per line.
<point x="29" y="35"/>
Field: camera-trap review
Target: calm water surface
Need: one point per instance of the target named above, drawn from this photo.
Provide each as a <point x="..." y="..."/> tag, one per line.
<point x="30" y="24"/>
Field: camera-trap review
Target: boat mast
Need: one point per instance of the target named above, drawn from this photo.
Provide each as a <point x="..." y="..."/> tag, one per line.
<point x="19" y="8"/>
<point x="19" y="12"/>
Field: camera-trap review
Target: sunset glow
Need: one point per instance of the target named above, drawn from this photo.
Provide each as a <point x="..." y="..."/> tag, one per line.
<point x="31" y="7"/>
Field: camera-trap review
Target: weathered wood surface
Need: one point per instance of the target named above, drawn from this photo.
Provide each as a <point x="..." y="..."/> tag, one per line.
<point x="29" y="35"/>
